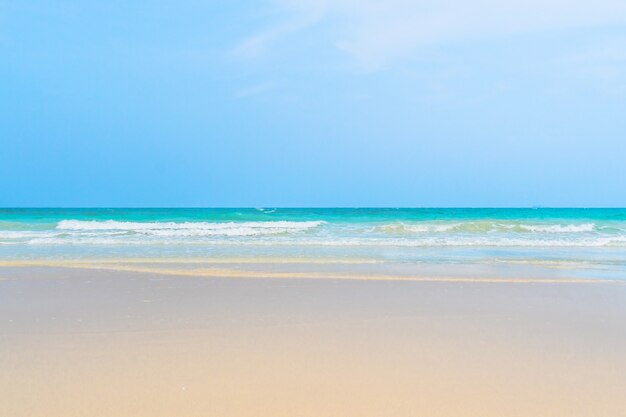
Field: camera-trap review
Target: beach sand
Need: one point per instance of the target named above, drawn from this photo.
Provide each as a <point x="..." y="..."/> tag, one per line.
<point x="98" y="342"/>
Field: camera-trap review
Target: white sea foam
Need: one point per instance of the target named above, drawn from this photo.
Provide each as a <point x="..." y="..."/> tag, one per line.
<point x="558" y="228"/>
<point x="487" y="233"/>
<point x="404" y="228"/>
<point x="616" y="241"/>
<point x="192" y="229"/>
<point x="51" y="241"/>
<point x="449" y="241"/>
<point x="10" y="234"/>
<point x="401" y="228"/>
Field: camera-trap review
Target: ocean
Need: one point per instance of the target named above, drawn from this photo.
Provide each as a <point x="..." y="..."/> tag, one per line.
<point x="589" y="240"/>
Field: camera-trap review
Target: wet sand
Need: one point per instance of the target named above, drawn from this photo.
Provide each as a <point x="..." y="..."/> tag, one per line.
<point x="97" y="342"/>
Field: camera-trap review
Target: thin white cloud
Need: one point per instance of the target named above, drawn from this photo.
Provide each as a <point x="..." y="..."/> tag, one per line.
<point x="258" y="43"/>
<point x="376" y="33"/>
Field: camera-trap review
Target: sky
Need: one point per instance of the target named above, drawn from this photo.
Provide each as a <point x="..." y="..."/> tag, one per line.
<point x="302" y="103"/>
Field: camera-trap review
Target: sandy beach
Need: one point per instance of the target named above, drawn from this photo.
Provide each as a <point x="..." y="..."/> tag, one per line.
<point x="98" y="342"/>
<point x="313" y="208"/>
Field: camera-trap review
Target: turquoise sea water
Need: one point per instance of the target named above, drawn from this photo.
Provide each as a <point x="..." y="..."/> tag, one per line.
<point x="593" y="237"/>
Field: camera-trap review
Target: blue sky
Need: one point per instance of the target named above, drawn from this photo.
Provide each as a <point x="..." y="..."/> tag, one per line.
<point x="313" y="103"/>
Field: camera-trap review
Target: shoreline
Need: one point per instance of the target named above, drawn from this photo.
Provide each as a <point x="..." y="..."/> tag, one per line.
<point x="315" y="268"/>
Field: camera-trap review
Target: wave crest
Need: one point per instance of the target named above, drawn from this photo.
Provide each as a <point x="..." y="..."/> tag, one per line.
<point x="482" y="227"/>
<point x="191" y="229"/>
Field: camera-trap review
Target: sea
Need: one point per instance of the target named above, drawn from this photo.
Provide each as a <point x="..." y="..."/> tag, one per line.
<point x="588" y="241"/>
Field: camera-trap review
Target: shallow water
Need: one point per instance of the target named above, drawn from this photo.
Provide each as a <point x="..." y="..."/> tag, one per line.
<point x="588" y="242"/>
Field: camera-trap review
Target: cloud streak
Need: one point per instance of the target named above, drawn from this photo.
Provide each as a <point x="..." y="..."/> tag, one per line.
<point x="376" y="34"/>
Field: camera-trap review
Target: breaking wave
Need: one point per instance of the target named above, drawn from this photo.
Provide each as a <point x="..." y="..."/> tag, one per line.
<point x="192" y="229"/>
<point x="483" y="227"/>
<point x="458" y="233"/>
